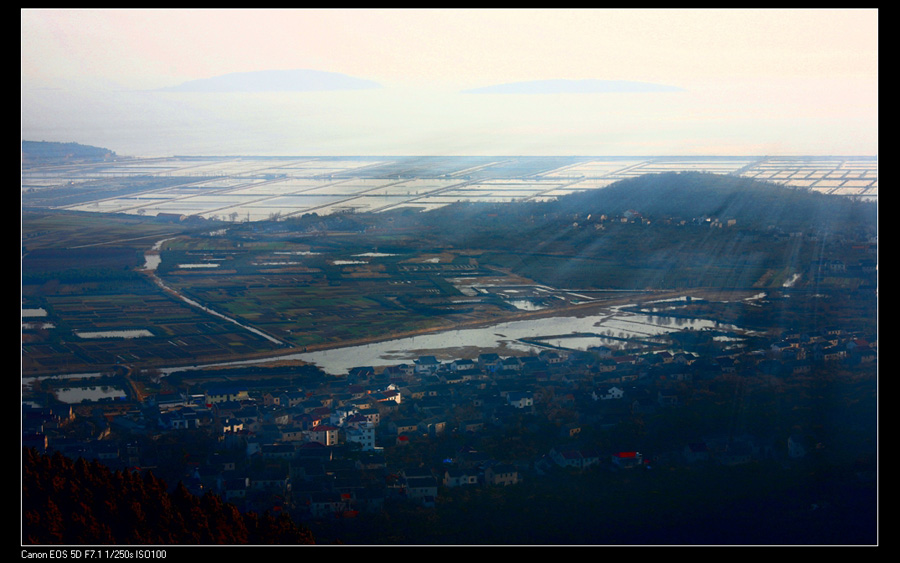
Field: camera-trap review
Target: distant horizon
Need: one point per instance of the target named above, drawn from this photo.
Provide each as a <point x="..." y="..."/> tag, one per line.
<point x="688" y="82"/>
<point x="435" y="155"/>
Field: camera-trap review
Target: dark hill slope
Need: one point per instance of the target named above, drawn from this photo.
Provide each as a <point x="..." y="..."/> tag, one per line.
<point x="569" y="242"/>
<point x="79" y="502"/>
<point x="691" y="195"/>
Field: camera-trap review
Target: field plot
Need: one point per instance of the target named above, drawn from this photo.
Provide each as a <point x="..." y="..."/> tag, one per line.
<point x="280" y="187"/>
<point x="848" y="176"/>
<point x="714" y="166"/>
<point x="103" y="330"/>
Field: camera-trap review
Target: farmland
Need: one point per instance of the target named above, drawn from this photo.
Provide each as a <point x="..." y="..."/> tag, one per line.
<point x="165" y="262"/>
<point x="252" y="189"/>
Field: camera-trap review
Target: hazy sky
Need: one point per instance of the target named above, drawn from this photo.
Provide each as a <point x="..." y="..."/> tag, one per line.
<point x="747" y="81"/>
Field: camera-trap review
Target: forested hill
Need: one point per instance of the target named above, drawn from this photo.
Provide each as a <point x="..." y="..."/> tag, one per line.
<point x="692" y="195"/>
<point x="79" y="502"/>
<point x="44" y="152"/>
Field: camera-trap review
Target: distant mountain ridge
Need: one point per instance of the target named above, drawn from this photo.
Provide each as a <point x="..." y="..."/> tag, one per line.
<point x="300" y="80"/>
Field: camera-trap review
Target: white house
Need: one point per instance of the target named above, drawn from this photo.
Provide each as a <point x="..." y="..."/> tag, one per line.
<point x="606" y="394"/>
<point x="364" y="436"/>
<point x="520" y="399"/>
<point x="459" y="477"/>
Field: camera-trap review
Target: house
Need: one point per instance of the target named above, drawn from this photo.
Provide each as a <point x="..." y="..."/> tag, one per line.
<point x="667" y="398"/>
<point x="48" y="417"/>
<point x="277" y="451"/>
<point x="601" y="351"/>
<point x="833" y="353"/>
<point x="520" y="399"/>
<point x="551" y="357"/>
<point x="215" y="395"/>
<point x="683" y="358"/>
<point x="489" y="361"/>
<point x="607" y="393"/>
<point x="290" y="433"/>
<point x="403" y="426"/>
<point x="399" y="371"/>
<point x="459" y="477"/>
<point x="574" y="457"/>
<point x="273" y="479"/>
<point x="432" y="426"/>
<point x="326" y="503"/>
<point x="426" y="365"/>
<point x="501" y="474"/>
<point x="364" y="436"/>
<point x="235" y="488"/>
<point x="627" y="460"/>
<point x="387" y="396"/>
<point x="462" y="365"/>
<point x="423" y="488"/>
<point x="339" y="415"/>
<point x="358" y="420"/>
<point x="361" y="372"/>
<point x="531" y="364"/>
<point x="181" y="419"/>
<point x="570" y="430"/>
<point x="452" y="378"/>
<point x="170" y="401"/>
<point x="324" y="434"/>
<point x="291" y="398"/>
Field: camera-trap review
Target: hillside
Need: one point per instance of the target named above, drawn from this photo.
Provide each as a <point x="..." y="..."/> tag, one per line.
<point x="80" y="502"/>
<point x="690" y="195"/>
<point x="657" y="232"/>
<point x="44" y="153"/>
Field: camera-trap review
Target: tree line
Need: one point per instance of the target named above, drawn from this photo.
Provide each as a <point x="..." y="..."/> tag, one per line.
<point x="81" y="502"/>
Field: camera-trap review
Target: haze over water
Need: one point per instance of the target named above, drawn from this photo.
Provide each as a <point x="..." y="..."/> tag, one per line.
<point x="703" y="82"/>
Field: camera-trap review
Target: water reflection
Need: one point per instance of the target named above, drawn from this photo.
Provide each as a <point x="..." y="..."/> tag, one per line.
<point x="73" y="395"/>
<point x="514" y="336"/>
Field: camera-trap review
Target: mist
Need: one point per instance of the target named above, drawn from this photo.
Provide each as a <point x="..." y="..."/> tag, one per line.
<point x="421" y="121"/>
<point x="416" y="82"/>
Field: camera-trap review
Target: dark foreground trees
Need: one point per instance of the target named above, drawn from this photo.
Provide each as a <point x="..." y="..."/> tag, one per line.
<point x="78" y="502"/>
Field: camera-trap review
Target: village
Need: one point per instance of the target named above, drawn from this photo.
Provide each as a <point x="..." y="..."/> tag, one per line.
<point x="410" y="432"/>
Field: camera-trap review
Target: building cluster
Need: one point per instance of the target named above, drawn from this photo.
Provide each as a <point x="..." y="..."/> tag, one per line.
<point x="345" y="446"/>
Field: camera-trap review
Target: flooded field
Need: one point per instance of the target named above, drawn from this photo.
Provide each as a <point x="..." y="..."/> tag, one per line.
<point x="252" y="189"/>
<point x="114" y="334"/>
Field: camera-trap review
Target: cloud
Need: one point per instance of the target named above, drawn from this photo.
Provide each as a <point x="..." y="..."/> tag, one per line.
<point x="573" y="87"/>
<point x="275" y="81"/>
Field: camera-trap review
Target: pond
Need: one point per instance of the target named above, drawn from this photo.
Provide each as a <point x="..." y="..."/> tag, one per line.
<point x="608" y="327"/>
<point x="74" y="395"/>
<point x="137" y="333"/>
<point x="616" y="323"/>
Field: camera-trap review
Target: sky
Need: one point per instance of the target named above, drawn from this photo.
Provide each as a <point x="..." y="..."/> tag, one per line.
<point x="731" y="82"/>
